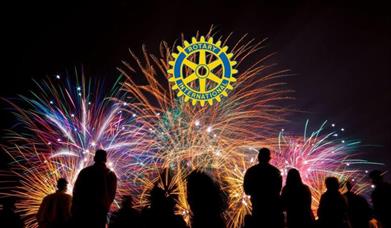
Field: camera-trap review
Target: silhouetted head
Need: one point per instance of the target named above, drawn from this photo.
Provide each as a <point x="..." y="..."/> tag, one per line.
<point x="376" y="176"/>
<point x="204" y="194"/>
<point x="293" y="178"/>
<point x="348" y="186"/>
<point x="264" y="155"/>
<point x="62" y="184"/>
<point x="127" y="202"/>
<point x="160" y="201"/>
<point x="157" y="197"/>
<point x="332" y="184"/>
<point x="100" y="156"/>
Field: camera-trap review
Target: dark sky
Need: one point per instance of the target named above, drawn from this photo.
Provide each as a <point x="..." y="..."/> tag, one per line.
<point x="340" y="54"/>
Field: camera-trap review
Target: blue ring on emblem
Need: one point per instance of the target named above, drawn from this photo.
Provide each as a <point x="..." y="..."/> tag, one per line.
<point x="178" y="64"/>
<point x="226" y="64"/>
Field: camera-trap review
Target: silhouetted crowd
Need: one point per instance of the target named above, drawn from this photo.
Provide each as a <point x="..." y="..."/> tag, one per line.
<point x="272" y="205"/>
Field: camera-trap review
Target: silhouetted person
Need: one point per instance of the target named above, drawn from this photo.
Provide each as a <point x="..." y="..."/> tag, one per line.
<point x="55" y="209"/>
<point x="359" y="212"/>
<point x="296" y="200"/>
<point x="206" y="201"/>
<point x="8" y="217"/>
<point x="93" y="193"/>
<point x="381" y="199"/>
<point x="332" y="211"/>
<point x="161" y="212"/>
<point x="263" y="183"/>
<point x="126" y="216"/>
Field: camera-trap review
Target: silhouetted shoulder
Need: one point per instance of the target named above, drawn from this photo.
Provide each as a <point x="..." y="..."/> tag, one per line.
<point x="248" y="181"/>
<point x="306" y="188"/>
<point x="48" y="197"/>
<point x="66" y="196"/>
<point x="253" y="168"/>
<point x="85" y="171"/>
<point x="251" y="171"/>
<point x="112" y="174"/>
<point x="274" y="169"/>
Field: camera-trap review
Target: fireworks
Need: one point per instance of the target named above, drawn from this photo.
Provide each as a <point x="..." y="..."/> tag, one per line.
<point x="63" y="125"/>
<point x="184" y="132"/>
<point x="318" y="155"/>
<point x="153" y="137"/>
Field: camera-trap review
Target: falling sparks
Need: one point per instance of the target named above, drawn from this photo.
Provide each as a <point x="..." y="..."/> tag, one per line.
<point x="153" y="137"/>
<point x="59" y="136"/>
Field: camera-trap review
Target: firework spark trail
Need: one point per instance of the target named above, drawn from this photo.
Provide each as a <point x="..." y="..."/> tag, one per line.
<point x="147" y="129"/>
<point x="250" y="113"/>
<point x="211" y="138"/>
<point x="321" y="154"/>
<point x="63" y="124"/>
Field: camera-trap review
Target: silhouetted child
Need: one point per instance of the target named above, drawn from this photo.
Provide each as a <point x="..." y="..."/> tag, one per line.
<point x="296" y="200"/>
<point x="55" y="209"/>
<point x="161" y="212"/>
<point x="263" y="183"/>
<point x="126" y="216"/>
<point x="8" y="217"/>
<point x="93" y="193"/>
<point x="359" y="212"/>
<point x="332" y="211"/>
<point x="381" y="199"/>
<point x="206" y="201"/>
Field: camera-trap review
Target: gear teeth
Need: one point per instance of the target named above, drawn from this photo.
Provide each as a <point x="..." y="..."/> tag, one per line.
<point x="181" y="50"/>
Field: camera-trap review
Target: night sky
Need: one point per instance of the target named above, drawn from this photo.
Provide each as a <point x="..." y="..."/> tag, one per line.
<point x="339" y="54"/>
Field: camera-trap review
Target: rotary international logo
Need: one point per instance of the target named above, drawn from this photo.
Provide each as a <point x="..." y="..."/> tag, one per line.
<point x="202" y="71"/>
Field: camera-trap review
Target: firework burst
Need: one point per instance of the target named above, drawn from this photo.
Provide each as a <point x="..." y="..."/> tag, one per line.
<point x="214" y="138"/>
<point x="61" y="127"/>
<point x="146" y="128"/>
<point x="318" y="155"/>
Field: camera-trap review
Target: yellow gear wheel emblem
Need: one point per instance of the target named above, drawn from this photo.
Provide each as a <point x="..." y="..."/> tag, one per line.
<point x="202" y="71"/>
